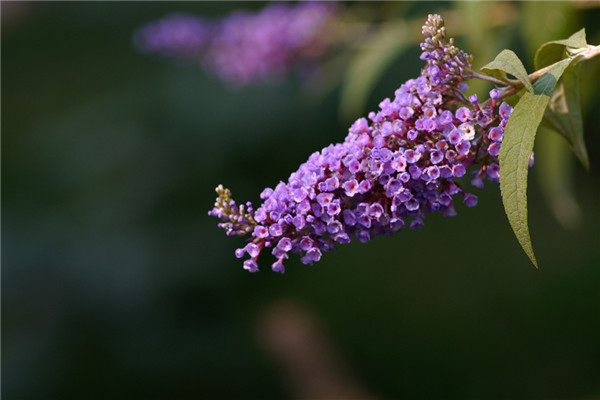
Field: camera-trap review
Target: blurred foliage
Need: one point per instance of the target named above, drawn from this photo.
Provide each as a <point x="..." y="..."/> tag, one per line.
<point x="117" y="284"/>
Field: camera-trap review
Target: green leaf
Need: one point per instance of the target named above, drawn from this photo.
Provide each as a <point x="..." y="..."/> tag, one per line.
<point x="555" y="50"/>
<point x="516" y="149"/>
<point x="564" y="112"/>
<point x="553" y="167"/>
<point x="507" y="62"/>
<point x="368" y="65"/>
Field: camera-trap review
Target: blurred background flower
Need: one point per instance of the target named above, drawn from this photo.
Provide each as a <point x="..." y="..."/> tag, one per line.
<point x="117" y="284"/>
<point x="245" y="47"/>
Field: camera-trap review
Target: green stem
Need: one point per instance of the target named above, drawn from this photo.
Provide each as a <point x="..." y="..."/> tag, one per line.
<point x="477" y="75"/>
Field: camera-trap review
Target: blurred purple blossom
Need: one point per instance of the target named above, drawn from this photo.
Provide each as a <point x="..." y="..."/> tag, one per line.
<point x="178" y="36"/>
<point x="245" y="46"/>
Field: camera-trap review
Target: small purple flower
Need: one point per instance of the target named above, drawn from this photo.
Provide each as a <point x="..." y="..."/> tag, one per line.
<point x="275" y="230"/>
<point x="351" y="187"/>
<point x="446" y="117"/>
<point x="261" y="232"/>
<point x="333" y="183"/>
<point x="252" y="249"/>
<point x="304" y="206"/>
<point x="334" y="208"/>
<point x="455" y="137"/>
<point x="300" y="194"/>
<point x="404" y="177"/>
<point x="493" y="171"/>
<point x="317" y="209"/>
<point x="364" y="186"/>
<point x="415" y="172"/>
<point x="429" y="124"/>
<point x="312" y="255"/>
<point x="299" y="221"/>
<point x="386" y="129"/>
<point x="463" y="114"/>
<point x="412" y="156"/>
<point x="349" y="217"/>
<point x="494" y="149"/>
<point x="470" y="200"/>
<point x="429" y="112"/>
<point x="306" y="243"/>
<point x="477" y="180"/>
<point x="250" y="265"/>
<point x="496" y="134"/>
<point x="467" y="131"/>
<point x="355" y="167"/>
<point x="433" y="172"/>
<point x="505" y="111"/>
<point x="378" y="141"/>
<point x="324" y="199"/>
<point x="463" y="147"/>
<point x="285" y="244"/>
<point x="239" y="253"/>
<point x="334" y="227"/>
<point x="375" y="210"/>
<point x="445" y="171"/>
<point x="278" y="266"/>
<point x="364" y="220"/>
<point x="450" y="155"/>
<point x="266" y="193"/>
<point x="436" y="156"/>
<point x="412" y="204"/>
<point x="458" y="170"/>
<point x="395" y="186"/>
<point x="260" y="215"/>
<point x="363" y="235"/>
<point x="398" y="163"/>
<point x="484" y="120"/>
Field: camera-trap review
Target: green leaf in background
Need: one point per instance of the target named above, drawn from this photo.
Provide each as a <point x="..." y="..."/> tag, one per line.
<point x="553" y="168"/>
<point x="564" y="112"/>
<point x="516" y="149"/>
<point x="507" y="62"/>
<point x="555" y="50"/>
<point x="363" y="71"/>
<point x="553" y="162"/>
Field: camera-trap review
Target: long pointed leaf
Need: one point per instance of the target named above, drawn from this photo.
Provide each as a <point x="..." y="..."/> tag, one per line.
<point x="516" y="150"/>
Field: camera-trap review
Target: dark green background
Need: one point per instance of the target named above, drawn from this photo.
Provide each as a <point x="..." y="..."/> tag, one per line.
<point x="116" y="283"/>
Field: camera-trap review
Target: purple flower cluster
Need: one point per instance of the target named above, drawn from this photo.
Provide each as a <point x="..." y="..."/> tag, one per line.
<point x="391" y="170"/>
<point x="245" y="47"/>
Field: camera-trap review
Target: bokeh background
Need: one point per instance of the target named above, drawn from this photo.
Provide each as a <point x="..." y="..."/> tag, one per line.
<point x="116" y="283"/>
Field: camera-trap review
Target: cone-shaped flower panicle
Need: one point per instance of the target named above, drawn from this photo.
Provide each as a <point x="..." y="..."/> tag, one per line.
<point x="392" y="169"/>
